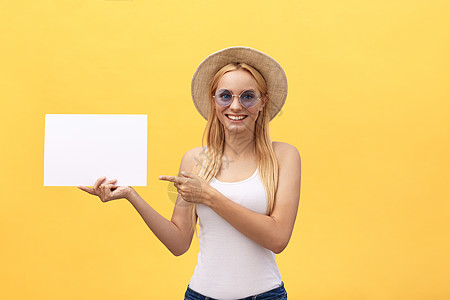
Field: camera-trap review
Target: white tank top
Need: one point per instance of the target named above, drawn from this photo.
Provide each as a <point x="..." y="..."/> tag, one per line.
<point x="230" y="265"/>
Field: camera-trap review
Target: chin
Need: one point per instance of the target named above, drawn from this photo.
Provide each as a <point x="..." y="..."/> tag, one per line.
<point x="238" y="127"/>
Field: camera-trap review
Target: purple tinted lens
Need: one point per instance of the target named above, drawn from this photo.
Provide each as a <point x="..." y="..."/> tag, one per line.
<point x="223" y="97"/>
<point x="248" y="98"/>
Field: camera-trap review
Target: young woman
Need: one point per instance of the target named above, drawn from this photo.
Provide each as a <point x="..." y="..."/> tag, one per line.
<point x="243" y="188"/>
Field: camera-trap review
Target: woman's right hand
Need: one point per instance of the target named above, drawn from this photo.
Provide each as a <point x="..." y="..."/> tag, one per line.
<point x="108" y="191"/>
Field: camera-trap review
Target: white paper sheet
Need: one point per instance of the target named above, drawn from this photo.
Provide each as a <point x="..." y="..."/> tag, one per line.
<point x="80" y="148"/>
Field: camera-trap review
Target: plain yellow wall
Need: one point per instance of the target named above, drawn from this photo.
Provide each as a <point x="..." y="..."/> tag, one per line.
<point x="368" y="108"/>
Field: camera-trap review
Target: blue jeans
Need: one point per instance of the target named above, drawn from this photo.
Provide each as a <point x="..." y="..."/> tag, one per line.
<point x="278" y="293"/>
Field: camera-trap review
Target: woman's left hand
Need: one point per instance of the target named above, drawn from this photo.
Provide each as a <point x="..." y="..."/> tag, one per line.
<point x="192" y="188"/>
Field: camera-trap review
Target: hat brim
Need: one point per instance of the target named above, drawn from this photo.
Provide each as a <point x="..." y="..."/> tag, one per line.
<point x="269" y="68"/>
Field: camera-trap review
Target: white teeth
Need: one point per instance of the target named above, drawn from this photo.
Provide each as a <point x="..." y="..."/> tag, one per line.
<point x="235" y="117"/>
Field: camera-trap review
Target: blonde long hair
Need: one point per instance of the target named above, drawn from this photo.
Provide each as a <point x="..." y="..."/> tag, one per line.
<point x="214" y="136"/>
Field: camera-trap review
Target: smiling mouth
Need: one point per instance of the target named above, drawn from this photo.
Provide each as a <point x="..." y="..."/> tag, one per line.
<point x="236" y="118"/>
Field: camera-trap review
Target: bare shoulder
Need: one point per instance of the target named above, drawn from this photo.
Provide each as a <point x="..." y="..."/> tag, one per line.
<point x="193" y="152"/>
<point x="192" y="159"/>
<point x="286" y="153"/>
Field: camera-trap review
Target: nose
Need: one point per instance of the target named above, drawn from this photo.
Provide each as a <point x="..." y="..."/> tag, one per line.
<point x="236" y="103"/>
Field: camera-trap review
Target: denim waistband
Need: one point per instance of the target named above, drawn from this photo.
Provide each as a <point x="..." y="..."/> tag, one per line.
<point x="276" y="293"/>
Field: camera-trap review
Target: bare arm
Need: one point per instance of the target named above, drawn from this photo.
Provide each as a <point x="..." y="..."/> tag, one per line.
<point x="272" y="232"/>
<point x="175" y="234"/>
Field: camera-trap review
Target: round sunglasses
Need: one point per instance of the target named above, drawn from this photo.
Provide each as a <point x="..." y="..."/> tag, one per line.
<point x="247" y="98"/>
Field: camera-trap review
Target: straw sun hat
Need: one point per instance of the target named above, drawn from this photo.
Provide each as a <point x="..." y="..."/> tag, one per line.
<point x="269" y="68"/>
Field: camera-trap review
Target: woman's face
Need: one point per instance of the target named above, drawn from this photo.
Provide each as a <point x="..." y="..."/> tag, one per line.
<point x="236" y="82"/>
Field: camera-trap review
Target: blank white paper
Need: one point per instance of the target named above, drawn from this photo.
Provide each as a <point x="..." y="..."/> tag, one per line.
<point x="80" y="148"/>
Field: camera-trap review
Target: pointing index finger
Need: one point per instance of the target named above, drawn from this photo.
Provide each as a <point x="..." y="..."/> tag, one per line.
<point x="169" y="178"/>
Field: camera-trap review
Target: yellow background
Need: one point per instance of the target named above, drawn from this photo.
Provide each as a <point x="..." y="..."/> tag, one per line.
<point x="368" y="108"/>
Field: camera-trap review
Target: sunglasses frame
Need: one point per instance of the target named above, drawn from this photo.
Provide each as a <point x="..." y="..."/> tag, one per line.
<point x="239" y="97"/>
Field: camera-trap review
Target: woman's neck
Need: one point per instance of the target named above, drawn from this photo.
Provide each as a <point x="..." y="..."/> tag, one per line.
<point x="239" y="146"/>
